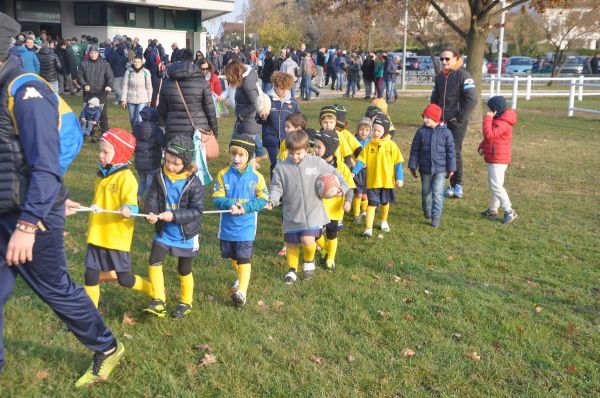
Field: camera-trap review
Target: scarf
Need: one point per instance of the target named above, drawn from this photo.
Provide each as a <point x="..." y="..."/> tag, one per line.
<point x="175" y="177"/>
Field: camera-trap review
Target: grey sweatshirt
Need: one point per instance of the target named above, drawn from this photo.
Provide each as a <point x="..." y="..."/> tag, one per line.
<point x="302" y="208"/>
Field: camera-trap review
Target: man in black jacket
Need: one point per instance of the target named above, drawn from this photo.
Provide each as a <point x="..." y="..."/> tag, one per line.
<point x="67" y="60"/>
<point x="96" y="78"/>
<point x="368" y="72"/>
<point x="50" y="65"/>
<point x="320" y="65"/>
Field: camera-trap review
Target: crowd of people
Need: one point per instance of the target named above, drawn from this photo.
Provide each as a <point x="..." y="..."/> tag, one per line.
<point x="171" y="103"/>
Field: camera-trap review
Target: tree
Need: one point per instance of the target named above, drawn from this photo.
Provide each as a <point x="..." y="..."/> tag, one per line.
<point x="525" y="33"/>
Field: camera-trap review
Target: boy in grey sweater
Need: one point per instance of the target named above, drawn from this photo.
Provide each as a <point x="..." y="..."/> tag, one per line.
<point x="293" y="186"/>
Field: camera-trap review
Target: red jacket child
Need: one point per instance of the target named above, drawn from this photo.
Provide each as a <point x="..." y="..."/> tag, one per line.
<point x="497" y="137"/>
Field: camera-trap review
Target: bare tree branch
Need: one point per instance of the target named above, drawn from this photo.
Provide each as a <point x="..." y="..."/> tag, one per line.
<point x="445" y="17"/>
<point x="508" y="7"/>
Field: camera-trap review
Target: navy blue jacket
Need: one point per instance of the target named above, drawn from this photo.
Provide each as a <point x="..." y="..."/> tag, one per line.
<point x="432" y="150"/>
<point x="118" y="62"/>
<point x="149" y="138"/>
<point x="90" y="114"/>
<point x="273" y="128"/>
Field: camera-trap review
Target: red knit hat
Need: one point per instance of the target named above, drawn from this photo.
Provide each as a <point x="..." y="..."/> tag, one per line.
<point x="123" y="144"/>
<point x="434" y="112"/>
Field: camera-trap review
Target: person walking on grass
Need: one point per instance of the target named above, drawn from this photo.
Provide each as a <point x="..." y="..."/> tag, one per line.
<point x="32" y="220"/>
<point x="496" y="149"/>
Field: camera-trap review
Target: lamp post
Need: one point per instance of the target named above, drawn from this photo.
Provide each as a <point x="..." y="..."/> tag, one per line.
<point x="371" y="27"/>
<point x="404" y="49"/>
<point x="501" y="45"/>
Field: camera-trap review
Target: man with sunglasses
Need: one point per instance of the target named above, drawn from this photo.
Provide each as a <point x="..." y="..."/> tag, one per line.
<point x="454" y="91"/>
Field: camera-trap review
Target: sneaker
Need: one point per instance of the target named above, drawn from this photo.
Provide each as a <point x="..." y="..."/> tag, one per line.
<point x="427" y="216"/>
<point x="509" y="216"/>
<point x="368" y="233"/>
<point x="181" y="311"/>
<point x="458" y="191"/>
<point x="282" y="252"/>
<point x="235" y="286"/>
<point x="449" y="192"/>
<point x="489" y="213"/>
<point x="435" y="223"/>
<point x="330" y="265"/>
<point x="101" y="366"/>
<point x="239" y="298"/>
<point x="156" y="307"/>
<point x="385" y="227"/>
<point x="308" y="271"/>
<point x="290" y="277"/>
<point x="363" y="215"/>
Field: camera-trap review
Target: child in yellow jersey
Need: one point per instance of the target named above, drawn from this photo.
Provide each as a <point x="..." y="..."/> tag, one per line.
<point x="359" y="205"/>
<point x="328" y="120"/>
<point x="326" y="143"/>
<point x="341" y="126"/>
<point x="293" y="122"/>
<point x="241" y="190"/>
<point x="174" y="205"/>
<point x="383" y="161"/>
<point x="109" y="235"/>
<point x="380" y="105"/>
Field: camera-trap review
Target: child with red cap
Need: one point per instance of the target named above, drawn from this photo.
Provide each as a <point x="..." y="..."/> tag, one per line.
<point x="110" y="235"/>
<point x="432" y="151"/>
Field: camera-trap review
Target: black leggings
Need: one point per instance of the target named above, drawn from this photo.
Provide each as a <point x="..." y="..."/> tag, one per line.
<point x="92" y="278"/>
<point x="158" y="253"/>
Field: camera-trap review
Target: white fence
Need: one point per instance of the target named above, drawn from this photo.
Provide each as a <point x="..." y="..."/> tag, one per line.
<point x="580" y="84"/>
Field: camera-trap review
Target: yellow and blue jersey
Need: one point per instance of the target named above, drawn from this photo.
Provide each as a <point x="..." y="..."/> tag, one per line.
<point x="383" y="160"/>
<point x="247" y="189"/>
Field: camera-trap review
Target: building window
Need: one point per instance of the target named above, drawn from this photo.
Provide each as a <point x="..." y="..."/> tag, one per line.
<point x="159" y="18"/>
<point x="142" y="17"/>
<point x="169" y="19"/>
<point x="35" y="11"/>
<point x="90" y="14"/>
<point x="116" y="15"/>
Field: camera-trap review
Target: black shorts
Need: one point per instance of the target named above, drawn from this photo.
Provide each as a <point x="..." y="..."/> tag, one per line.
<point x="361" y="182"/>
<point x="296" y="237"/>
<point x="237" y="250"/>
<point x="381" y="196"/>
<point x="102" y="259"/>
<point x="160" y="250"/>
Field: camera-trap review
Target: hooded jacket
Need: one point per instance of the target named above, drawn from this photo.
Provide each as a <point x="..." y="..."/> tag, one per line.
<point x="497" y="137"/>
<point x="455" y="93"/>
<point x="149" y="140"/>
<point x="97" y="74"/>
<point x="67" y="59"/>
<point x="432" y="150"/>
<point x="50" y="65"/>
<point x="196" y="91"/>
<point x="31" y="63"/>
<point x="118" y="62"/>
<point x="273" y="127"/>
<point x="137" y="86"/>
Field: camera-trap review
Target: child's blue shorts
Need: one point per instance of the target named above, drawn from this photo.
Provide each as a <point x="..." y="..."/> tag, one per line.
<point x="238" y="251"/>
<point x="103" y="259"/>
<point x="381" y="196"/>
<point x="296" y="236"/>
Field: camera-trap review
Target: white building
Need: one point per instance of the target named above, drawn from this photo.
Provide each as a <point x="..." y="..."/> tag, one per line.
<point x="169" y="21"/>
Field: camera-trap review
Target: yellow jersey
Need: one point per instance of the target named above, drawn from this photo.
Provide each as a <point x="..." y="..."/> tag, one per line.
<point x="335" y="206"/>
<point x="113" y="231"/>
<point x="381" y="158"/>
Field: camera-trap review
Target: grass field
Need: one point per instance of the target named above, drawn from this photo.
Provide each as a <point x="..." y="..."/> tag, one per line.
<point x="487" y="309"/>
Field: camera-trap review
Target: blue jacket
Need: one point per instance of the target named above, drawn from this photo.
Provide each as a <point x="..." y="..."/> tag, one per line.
<point x="273" y="128"/>
<point x="340" y="64"/>
<point x="246" y="188"/>
<point x="31" y="63"/>
<point x="118" y="62"/>
<point x="90" y="114"/>
<point x="149" y="138"/>
<point x="389" y="69"/>
<point x="432" y="150"/>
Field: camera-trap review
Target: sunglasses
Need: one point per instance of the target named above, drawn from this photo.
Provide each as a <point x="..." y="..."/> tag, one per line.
<point x="445" y="59"/>
<point x="204" y="68"/>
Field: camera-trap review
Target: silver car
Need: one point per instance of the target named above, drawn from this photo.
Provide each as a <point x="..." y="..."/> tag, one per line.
<point x="519" y="65"/>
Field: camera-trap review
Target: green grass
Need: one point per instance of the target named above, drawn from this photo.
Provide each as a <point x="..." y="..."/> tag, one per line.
<point x="414" y="289"/>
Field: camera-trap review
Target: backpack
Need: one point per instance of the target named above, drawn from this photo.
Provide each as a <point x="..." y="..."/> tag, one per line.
<point x="69" y="129"/>
<point x="313" y="68"/>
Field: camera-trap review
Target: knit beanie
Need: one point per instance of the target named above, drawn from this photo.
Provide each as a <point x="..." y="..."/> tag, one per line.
<point x="122" y="142"/>
<point x="382" y="120"/>
<point x="497" y="104"/>
<point x="245" y="142"/>
<point x="372" y="111"/>
<point x="95" y="102"/>
<point x="182" y="147"/>
<point x="365" y="121"/>
<point x="311" y="136"/>
<point x="93" y="48"/>
<point x="340" y="111"/>
<point x="381" y="104"/>
<point x="9" y="28"/>
<point x="327" y="110"/>
<point x="330" y="139"/>
<point x="433" y="111"/>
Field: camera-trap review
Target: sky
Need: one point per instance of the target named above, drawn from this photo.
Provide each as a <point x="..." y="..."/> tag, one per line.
<point x="213" y="24"/>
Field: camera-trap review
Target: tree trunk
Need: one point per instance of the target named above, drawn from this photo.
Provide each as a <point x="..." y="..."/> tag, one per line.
<point x="476" y="45"/>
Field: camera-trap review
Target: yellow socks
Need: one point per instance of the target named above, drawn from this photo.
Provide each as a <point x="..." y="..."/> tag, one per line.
<point x="356" y="207"/>
<point x="234" y="264"/>
<point x="309" y="252"/>
<point x="364" y="203"/>
<point x="332" y="245"/>
<point x="370" y="217"/>
<point x="142" y="285"/>
<point x="157" y="281"/>
<point x="385" y="210"/>
<point x="293" y="256"/>
<point x="243" y="272"/>
<point x="94" y="293"/>
<point x="321" y="242"/>
<point x="187" y="288"/>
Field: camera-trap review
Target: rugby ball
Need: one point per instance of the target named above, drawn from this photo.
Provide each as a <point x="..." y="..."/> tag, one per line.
<point x="327" y="186"/>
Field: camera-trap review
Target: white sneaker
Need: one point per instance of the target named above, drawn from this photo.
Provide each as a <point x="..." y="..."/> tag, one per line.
<point x="368" y="233"/>
<point x="239" y="298"/>
<point x="308" y="270"/>
<point x="290" y="277"/>
<point x="385" y="227"/>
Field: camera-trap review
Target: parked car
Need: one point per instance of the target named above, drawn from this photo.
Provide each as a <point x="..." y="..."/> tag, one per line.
<point x="519" y="65"/>
<point x="426" y="64"/>
<point x="576" y="66"/>
<point x="413" y="63"/>
<point x="493" y="66"/>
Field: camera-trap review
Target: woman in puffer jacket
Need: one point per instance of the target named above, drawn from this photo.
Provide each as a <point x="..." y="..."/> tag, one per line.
<point x="136" y="89"/>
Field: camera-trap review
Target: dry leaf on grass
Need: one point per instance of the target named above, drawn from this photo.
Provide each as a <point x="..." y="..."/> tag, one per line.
<point x="427" y="292"/>
<point x="397" y="279"/>
<point x="262" y="305"/>
<point x="572" y="329"/>
<point x="354" y="277"/>
<point x="523" y="314"/>
<point x="42" y="374"/>
<point x="270" y="338"/>
<point x="450" y="258"/>
<point x="538" y="309"/>
<point x="407" y="300"/>
<point x="128" y="319"/>
<point x="278" y="304"/>
<point x="192" y="368"/>
<point x="382" y="313"/>
<point x="389" y="265"/>
<point x="571" y="369"/>
<point x="351" y="358"/>
<point x="532" y="284"/>
<point x="457" y="336"/>
<point x="210" y="298"/>
<point x="407" y="352"/>
<point x="316" y="359"/>
<point x="205" y="347"/>
<point x="474" y="356"/>
<point x="208" y="359"/>
<point x="127" y="336"/>
<point x="408" y="316"/>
